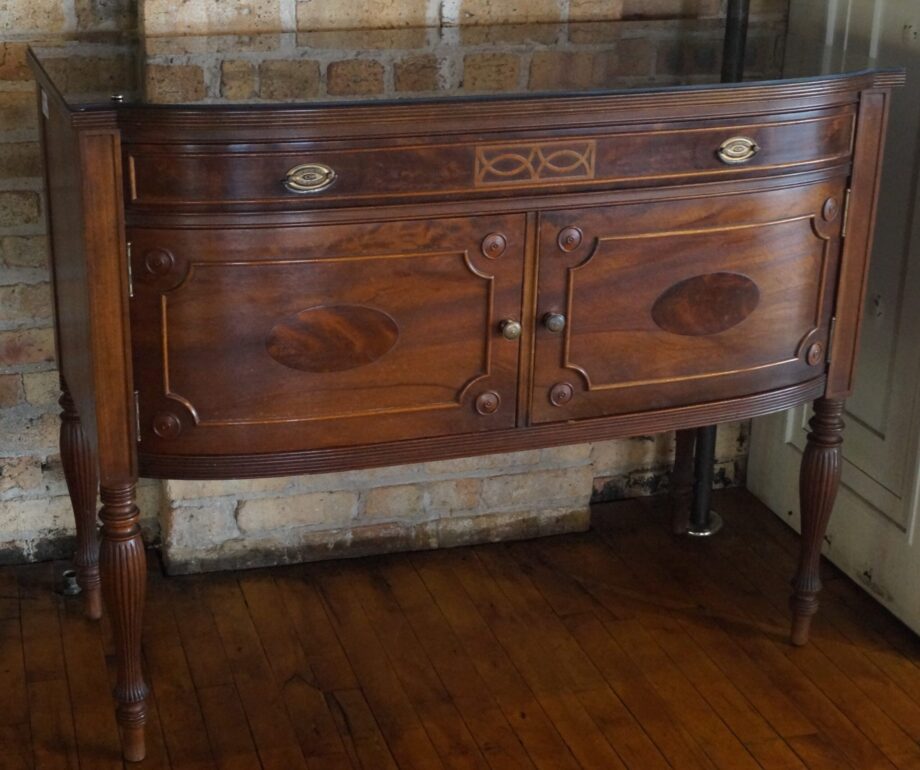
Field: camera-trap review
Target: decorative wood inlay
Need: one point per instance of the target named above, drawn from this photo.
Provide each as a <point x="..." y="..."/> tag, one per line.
<point x="569" y="238"/>
<point x="830" y="210"/>
<point x="494" y="245"/>
<point x="167" y="425"/>
<point x="498" y="164"/>
<point x="815" y="354"/>
<point x="706" y="304"/>
<point x="487" y="403"/>
<point x="561" y="393"/>
<point x="332" y="338"/>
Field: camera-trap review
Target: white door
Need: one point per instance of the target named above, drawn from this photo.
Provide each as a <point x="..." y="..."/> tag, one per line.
<point x="874" y="532"/>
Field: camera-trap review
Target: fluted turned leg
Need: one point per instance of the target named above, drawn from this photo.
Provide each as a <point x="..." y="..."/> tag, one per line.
<point x="818" y="483"/>
<point x="124" y="580"/>
<point x="681" y="492"/>
<point x="82" y="478"/>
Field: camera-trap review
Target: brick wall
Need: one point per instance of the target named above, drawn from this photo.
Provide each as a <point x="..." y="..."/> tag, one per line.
<point x="230" y="524"/>
<point x="160" y="17"/>
<point x="35" y="517"/>
<point x="214" y="524"/>
<point x="337" y="64"/>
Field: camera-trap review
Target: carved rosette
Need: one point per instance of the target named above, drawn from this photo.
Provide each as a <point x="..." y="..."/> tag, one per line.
<point x="167" y="425"/>
<point x="488" y="403"/>
<point x="159" y="262"/>
<point x="815" y="354"/>
<point x="561" y="393"/>
<point x="569" y="239"/>
<point x="159" y="268"/>
<point x="494" y="245"/>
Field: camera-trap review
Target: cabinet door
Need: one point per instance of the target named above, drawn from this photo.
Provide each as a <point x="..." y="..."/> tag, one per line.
<point x="250" y="340"/>
<point x="681" y="301"/>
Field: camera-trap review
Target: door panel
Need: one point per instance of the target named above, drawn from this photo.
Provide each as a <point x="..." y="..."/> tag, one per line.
<point x="732" y="296"/>
<point x="325" y="335"/>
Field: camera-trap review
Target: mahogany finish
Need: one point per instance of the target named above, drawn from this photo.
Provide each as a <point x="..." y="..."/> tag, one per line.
<point x="124" y="575"/>
<point x="199" y="176"/>
<point x="313" y="331"/>
<point x="81" y="475"/>
<point x="466" y="277"/>
<point x="821" y="466"/>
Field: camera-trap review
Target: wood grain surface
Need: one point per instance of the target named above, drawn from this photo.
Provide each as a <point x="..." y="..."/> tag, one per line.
<point x="621" y="648"/>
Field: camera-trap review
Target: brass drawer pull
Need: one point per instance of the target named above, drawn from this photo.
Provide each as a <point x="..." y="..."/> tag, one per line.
<point x="738" y="149"/>
<point x="309" y="178"/>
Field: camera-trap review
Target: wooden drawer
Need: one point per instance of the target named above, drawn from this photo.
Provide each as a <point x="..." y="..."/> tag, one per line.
<point x="374" y="171"/>
<point x="684" y="301"/>
<point x="330" y="335"/>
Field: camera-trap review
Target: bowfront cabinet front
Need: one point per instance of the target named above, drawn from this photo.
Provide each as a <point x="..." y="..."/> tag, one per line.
<point x="246" y="290"/>
<point x="664" y="303"/>
<point x="325" y="335"/>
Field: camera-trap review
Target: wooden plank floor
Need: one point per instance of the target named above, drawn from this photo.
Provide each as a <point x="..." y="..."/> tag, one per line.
<point x="620" y="648"/>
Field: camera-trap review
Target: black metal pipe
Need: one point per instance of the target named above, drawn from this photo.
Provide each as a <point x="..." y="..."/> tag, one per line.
<point x="737" y="17"/>
<point x="736" y="28"/>
<point x="704" y="468"/>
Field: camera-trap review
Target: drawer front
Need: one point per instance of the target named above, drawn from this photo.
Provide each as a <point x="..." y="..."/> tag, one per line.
<point x="314" y="175"/>
<point x="330" y="335"/>
<point x="671" y="303"/>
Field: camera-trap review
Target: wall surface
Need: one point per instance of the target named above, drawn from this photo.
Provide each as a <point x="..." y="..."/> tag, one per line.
<point x="206" y="525"/>
<point x="35" y="517"/>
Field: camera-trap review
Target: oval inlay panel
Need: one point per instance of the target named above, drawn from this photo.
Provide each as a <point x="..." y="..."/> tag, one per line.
<point x="332" y="338"/>
<point x="706" y="304"/>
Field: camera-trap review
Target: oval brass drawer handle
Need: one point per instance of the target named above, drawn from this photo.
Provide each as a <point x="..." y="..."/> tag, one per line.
<point x="738" y="149"/>
<point x="309" y="178"/>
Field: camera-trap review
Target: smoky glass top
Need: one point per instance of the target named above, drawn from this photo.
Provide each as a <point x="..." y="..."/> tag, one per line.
<point x="423" y="64"/>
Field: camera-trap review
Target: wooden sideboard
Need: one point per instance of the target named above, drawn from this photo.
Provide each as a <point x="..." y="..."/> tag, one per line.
<point x="273" y="288"/>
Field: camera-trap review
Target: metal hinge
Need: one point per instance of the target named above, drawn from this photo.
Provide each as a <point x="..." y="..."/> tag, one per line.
<point x="830" y="338"/>
<point x="846" y="213"/>
<point x="137" y="415"/>
<point x="130" y="272"/>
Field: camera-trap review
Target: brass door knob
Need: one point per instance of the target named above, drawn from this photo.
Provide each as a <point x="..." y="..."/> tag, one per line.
<point x="510" y="329"/>
<point x="554" y="322"/>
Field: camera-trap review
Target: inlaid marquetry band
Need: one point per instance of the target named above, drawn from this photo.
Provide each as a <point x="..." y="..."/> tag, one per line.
<point x="498" y="164"/>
